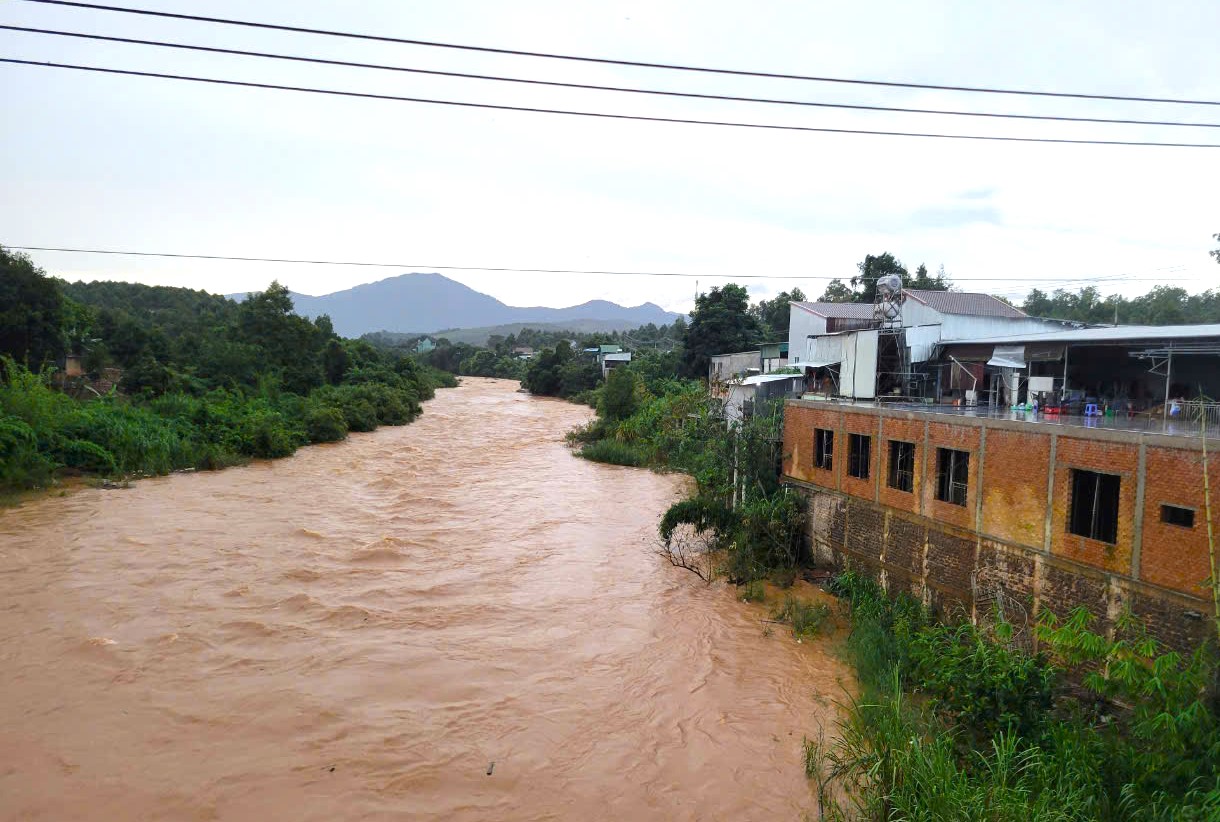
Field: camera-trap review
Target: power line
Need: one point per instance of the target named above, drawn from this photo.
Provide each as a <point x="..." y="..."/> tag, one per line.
<point x="1117" y="278"/>
<point x="614" y="62"/>
<point x="601" y="114"/>
<point x="593" y="87"/>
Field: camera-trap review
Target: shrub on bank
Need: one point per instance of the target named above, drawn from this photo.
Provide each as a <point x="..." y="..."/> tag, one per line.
<point x="613" y="452"/>
<point x="42" y="430"/>
<point x="998" y="733"/>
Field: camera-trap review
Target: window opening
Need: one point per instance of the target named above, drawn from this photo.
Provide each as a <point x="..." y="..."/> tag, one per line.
<point x="1177" y="515"/>
<point x="902" y="465"/>
<point x="823" y="448"/>
<point x="952" y="475"/>
<point x="859" y="454"/>
<point x="1094" y="509"/>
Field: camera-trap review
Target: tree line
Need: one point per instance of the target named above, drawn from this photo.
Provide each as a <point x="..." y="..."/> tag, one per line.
<point x="204" y="381"/>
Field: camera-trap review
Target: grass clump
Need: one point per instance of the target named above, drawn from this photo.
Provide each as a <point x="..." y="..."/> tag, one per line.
<point x="613" y="452"/>
<point x="754" y="591"/>
<point x="806" y="618"/>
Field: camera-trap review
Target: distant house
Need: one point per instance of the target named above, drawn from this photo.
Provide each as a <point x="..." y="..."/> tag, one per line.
<point x="614" y="360"/>
<point x="523" y="352"/>
<point x="747" y="396"/>
<point x="424" y="344"/>
<point x="724" y="368"/>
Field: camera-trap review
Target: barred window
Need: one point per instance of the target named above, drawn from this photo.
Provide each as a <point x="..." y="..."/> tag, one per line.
<point x="823" y="448"/>
<point x="902" y="465"/>
<point x="859" y="454"/>
<point x="952" y="475"/>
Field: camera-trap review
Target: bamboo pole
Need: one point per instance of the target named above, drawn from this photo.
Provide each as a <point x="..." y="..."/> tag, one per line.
<point x="1207" y="510"/>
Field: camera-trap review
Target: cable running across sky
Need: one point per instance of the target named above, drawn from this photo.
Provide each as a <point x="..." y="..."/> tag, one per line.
<point x="606" y="115"/>
<point x="417" y="266"/>
<point x="614" y="62"/>
<point x="592" y="87"/>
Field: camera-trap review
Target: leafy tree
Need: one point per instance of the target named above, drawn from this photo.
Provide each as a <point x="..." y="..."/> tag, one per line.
<point x="335" y="361"/>
<point x="543" y="376"/>
<point x="1216" y="252"/>
<point x="619" y="400"/>
<point x="837" y="291"/>
<point x="923" y="282"/>
<point x="32" y="312"/>
<point x="773" y="314"/>
<point x="864" y="284"/>
<point x="720" y="324"/>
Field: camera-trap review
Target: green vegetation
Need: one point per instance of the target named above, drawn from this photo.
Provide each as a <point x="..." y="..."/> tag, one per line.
<point x="955" y="724"/>
<point x="720" y="323"/>
<point x="806" y="618"/>
<point x="203" y="382"/>
<point x="1163" y="305"/>
<point x="613" y="453"/>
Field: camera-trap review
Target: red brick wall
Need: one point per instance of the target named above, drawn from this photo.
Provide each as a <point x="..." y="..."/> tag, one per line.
<point x="909" y="429"/>
<point x="959" y="438"/>
<point x="1172" y="555"/>
<point x="799" y="424"/>
<point x="1015" y="468"/>
<point x="865" y="424"/>
<point x="933" y="549"/>
<point x="1107" y="458"/>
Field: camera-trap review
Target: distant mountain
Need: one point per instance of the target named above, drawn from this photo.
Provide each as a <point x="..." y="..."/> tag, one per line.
<point x="428" y="303"/>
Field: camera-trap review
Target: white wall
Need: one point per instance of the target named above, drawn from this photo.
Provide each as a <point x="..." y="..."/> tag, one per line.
<point x="802" y="324"/>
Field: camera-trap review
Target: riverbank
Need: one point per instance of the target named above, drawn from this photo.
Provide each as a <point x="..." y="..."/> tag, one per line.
<point x="46" y="434"/>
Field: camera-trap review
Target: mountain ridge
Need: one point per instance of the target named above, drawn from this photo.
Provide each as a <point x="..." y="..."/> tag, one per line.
<point x="429" y="302"/>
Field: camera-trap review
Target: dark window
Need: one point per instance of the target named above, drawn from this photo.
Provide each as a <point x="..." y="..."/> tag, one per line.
<point x="823" y="448"/>
<point x="859" y="452"/>
<point x="1177" y="515"/>
<point x="902" y="465"/>
<point x="952" y="474"/>
<point x="1094" y="512"/>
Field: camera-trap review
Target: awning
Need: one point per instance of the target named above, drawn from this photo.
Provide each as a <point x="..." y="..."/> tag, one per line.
<point x="1008" y="356"/>
<point x="819" y="363"/>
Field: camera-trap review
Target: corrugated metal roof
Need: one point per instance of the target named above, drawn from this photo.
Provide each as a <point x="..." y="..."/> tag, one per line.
<point x="1134" y="334"/>
<point x="761" y="378"/>
<point x="849" y="311"/>
<point x="965" y="302"/>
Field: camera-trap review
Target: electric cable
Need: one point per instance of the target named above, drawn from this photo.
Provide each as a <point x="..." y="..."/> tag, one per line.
<point x="602" y="114"/>
<point x="616" y="62"/>
<point x="593" y="87"/>
<point x="1051" y="280"/>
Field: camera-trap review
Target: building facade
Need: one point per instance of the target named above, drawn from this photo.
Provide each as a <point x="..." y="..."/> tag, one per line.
<point x="959" y="508"/>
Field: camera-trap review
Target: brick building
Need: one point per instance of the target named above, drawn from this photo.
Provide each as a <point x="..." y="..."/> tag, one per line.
<point x="956" y="505"/>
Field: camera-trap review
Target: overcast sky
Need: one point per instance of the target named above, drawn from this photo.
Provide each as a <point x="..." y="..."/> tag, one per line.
<point x="112" y="162"/>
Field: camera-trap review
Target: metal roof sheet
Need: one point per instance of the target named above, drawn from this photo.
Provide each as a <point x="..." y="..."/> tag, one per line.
<point x="850" y="311"/>
<point x="761" y="378"/>
<point x="1134" y="334"/>
<point x="965" y="302"/>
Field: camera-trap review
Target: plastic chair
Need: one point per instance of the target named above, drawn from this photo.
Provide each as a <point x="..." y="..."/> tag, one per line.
<point x="1091" y="410"/>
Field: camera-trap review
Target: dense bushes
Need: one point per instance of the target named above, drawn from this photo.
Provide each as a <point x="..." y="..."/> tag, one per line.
<point x="205" y="381"/>
<point x="43" y="430"/>
<point x="953" y="724"/>
<point x="612" y="452"/>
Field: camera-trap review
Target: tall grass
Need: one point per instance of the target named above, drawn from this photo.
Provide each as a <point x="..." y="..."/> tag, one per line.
<point x="613" y="452"/>
<point x="951" y="725"/>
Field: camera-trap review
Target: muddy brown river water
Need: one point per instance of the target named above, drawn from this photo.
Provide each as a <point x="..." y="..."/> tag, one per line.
<point x="359" y="631"/>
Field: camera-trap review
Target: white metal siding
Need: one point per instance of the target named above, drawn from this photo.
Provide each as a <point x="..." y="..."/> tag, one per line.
<point x="801" y="325"/>
<point x="858" y="376"/>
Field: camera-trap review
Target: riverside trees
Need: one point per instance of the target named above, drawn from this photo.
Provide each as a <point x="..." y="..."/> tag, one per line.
<point x="206" y="382"/>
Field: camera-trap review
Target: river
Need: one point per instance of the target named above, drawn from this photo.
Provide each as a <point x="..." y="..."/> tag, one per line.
<point x="361" y="630"/>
